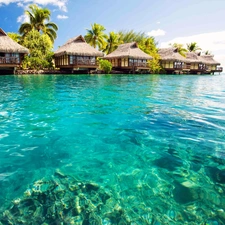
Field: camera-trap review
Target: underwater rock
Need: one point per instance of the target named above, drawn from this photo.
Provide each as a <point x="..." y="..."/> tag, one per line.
<point x="168" y="162"/>
<point x="64" y="200"/>
<point x="183" y="194"/>
<point x="216" y="174"/>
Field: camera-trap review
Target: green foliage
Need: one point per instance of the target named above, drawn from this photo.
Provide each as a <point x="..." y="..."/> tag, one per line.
<point x="193" y="47"/>
<point x="180" y="48"/>
<point x="38" y="18"/>
<point x="131" y="36"/>
<point x="40" y="47"/>
<point x="96" y="36"/>
<point x="105" y="65"/>
<point x="16" y="37"/>
<point x="207" y="52"/>
<point x="112" y="42"/>
<point x="148" y="45"/>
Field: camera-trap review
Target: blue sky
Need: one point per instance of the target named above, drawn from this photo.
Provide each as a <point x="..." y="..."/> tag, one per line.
<point x="170" y="21"/>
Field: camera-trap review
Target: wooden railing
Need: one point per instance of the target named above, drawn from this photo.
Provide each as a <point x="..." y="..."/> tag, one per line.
<point x="9" y="60"/>
<point x="138" y="64"/>
<point x="85" y="62"/>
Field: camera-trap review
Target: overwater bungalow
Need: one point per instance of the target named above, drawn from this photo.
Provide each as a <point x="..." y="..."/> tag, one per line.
<point x="196" y="64"/>
<point x="212" y="65"/>
<point x="171" y="60"/>
<point x="204" y="64"/>
<point x="193" y="63"/>
<point x="77" y="55"/>
<point x="129" y="58"/>
<point x="11" y="54"/>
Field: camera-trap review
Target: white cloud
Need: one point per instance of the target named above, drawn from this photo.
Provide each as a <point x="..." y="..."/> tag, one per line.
<point x="20" y="4"/>
<point x="22" y="19"/>
<point x="62" y="17"/>
<point x="207" y="41"/>
<point x="214" y="42"/>
<point x="156" y="33"/>
<point x="61" y="4"/>
<point x="158" y="22"/>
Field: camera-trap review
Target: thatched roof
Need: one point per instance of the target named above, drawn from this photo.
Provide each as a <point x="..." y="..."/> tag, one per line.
<point x="130" y="50"/>
<point x="171" y="54"/>
<point x="7" y="45"/>
<point x="194" y="57"/>
<point x="208" y="59"/>
<point x="77" y="46"/>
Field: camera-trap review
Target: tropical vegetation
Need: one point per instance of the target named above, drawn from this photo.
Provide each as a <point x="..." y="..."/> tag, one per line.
<point x="16" y="37"/>
<point x="112" y="42"/>
<point x="40" y="46"/>
<point x="207" y="52"/>
<point x="180" y="48"/>
<point x="193" y="47"/>
<point x="96" y="36"/>
<point x="38" y="35"/>
<point x="39" y="20"/>
<point x="105" y="66"/>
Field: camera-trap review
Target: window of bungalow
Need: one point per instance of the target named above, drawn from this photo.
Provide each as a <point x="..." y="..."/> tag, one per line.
<point x="16" y="57"/>
<point x="7" y="58"/>
<point x="79" y="59"/>
<point x="92" y="60"/>
<point x="135" y="61"/>
<point x="178" y="65"/>
<point x="72" y="57"/>
<point x="201" y="66"/>
<point x="144" y="62"/>
<point x="130" y="62"/>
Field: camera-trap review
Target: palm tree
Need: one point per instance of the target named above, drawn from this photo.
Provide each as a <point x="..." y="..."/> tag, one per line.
<point x="180" y="48"/>
<point x="96" y="36"/>
<point x="193" y="47"/>
<point x="207" y="52"/>
<point x="112" y="42"/>
<point x="37" y="20"/>
<point x="131" y="35"/>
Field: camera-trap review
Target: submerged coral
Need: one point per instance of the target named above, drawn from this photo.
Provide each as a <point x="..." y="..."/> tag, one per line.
<point x="64" y="200"/>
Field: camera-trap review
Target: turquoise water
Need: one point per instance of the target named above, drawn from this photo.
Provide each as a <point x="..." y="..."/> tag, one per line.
<point x="156" y="143"/>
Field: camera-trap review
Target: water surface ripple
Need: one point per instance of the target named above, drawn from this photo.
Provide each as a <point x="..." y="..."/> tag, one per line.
<point x="156" y="142"/>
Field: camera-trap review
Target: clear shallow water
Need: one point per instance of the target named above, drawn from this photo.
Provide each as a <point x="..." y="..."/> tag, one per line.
<point x="156" y="143"/>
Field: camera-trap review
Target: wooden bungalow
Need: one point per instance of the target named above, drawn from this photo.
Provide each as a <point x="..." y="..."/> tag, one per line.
<point x="196" y="64"/>
<point x="171" y="61"/>
<point x="212" y="65"/>
<point x="204" y="64"/>
<point x="11" y="54"/>
<point x="129" y="58"/>
<point x="77" y="55"/>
